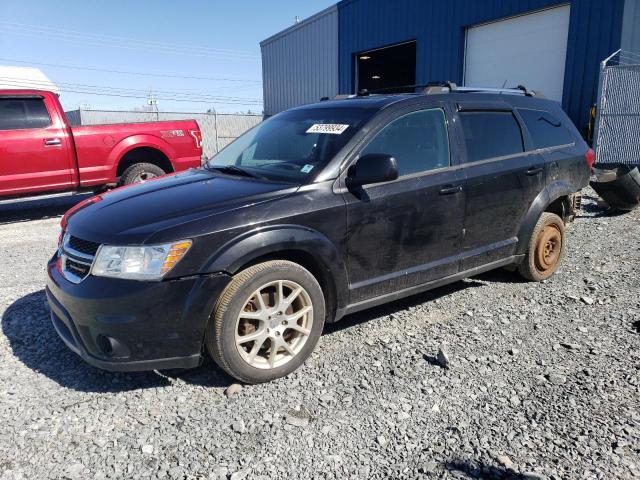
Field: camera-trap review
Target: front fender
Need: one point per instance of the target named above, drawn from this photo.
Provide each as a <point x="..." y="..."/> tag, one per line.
<point x="125" y="145"/>
<point x="271" y="240"/>
<point x="545" y="198"/>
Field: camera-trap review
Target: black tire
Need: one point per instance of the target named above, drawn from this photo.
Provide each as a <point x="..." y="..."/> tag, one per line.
<point x="546" y="248"/>
<point x="220" y="336"/>
<point x="139" y="172"/>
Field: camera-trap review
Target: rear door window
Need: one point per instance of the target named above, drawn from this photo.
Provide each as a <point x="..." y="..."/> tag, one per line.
<point x="23" y="113"/>
<point x="418" y="141"/>
<point x="490" y="134"/>
<point x="545" y="129"/>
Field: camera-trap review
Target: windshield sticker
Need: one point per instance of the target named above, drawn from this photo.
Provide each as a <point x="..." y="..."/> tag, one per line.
<point x="307" y="168"/>
<point x="331" y="128"/>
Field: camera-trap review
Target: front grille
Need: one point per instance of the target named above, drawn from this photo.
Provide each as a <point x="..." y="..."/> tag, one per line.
<point x="78" y="269"/>
<point x="83" y="246"/>
<point x="77" y="257"/>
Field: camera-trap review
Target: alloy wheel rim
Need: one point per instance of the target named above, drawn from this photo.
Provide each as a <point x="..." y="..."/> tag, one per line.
<point x="274" y="324"/>
<point x="548" y="248"/>
<point x="143" y="177"/>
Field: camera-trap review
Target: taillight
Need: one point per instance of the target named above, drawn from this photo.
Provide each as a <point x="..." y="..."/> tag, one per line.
<point x="197" y="135"/>
<point x="590" y="157"/>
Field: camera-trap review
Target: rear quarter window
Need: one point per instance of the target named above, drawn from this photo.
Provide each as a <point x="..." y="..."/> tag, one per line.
<point x="545" y="129"/>
<point x="490" y="134"/>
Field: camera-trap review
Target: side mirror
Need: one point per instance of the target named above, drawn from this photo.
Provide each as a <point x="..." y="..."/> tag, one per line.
<point x="372" y="168"/>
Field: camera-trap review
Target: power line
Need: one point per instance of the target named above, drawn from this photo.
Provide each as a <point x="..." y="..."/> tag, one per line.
<point x="128" y="72"/>
<point x="123" y="42"/>
<point x="183" y="93"/>
<point x="123" y="39"/>
<point x="87" y="91"/>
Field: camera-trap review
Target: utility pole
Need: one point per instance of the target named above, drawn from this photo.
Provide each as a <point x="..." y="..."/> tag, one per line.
<point x="152" y="101"/>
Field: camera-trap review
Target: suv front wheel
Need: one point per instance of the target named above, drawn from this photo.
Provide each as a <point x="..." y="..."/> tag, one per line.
<point x="267" y="321"/>
<point x="546" y="248"/>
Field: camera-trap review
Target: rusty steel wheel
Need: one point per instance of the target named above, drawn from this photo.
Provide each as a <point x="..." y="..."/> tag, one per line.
<point x="546" y="248"/>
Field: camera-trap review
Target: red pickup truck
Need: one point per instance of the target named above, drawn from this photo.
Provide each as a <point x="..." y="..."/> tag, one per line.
<point x="41" y="153"/>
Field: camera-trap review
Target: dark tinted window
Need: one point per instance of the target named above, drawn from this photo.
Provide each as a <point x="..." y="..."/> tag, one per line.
<point x="22" y="113"/>
<point x="545" y="129"/>
<point x="417" y="140"/>
<point x="490" y="134"/>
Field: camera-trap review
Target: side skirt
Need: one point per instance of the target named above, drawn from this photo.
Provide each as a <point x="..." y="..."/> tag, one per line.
<point x="390" y="297"/>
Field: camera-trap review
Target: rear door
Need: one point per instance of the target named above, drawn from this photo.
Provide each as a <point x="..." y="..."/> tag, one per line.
<point x="555" y="140"/>
<point x="34" y="148"/>
<point x="406" y="232"/>
<point x="502" y="179"/>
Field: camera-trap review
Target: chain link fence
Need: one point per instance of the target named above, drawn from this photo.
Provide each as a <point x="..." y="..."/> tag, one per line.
<point x="218" y="129"/>
<point x="617" y="124"/>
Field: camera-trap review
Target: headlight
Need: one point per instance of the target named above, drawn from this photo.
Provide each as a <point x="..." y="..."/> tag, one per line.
<point x="148" y="262"/>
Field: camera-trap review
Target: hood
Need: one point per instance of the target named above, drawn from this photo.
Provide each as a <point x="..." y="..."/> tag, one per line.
<point x="129" y="215"/>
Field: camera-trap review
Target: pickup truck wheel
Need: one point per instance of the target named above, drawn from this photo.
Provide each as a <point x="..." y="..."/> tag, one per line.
<point x="546" y="248"/>
<point x="140" y="172"/>
<point x="267" y="321"/>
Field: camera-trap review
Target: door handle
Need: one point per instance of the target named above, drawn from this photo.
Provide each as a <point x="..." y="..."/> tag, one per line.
<point x="52" y="141"/>
<point x="534" y="170"/>
<point x="450" y="189"/>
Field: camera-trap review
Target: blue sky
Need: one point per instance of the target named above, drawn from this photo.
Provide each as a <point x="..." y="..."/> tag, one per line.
<point x="218" y="40"/>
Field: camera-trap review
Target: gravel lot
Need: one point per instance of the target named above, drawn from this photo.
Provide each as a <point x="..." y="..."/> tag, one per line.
<point x="544" y="382"/>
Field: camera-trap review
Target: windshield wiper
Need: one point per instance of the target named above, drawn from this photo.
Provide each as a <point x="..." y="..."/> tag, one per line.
<point x="235" y="170"/>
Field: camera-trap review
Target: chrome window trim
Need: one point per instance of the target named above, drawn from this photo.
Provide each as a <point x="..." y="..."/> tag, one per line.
<point x="461" y="166"/>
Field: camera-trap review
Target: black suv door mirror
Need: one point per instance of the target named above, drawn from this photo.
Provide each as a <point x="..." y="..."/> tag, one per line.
<point x="372" y="168"/>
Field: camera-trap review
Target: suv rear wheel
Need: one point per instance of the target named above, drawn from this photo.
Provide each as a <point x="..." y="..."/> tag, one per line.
<point x="546" y="248"/>
<point x="267" y="321"/>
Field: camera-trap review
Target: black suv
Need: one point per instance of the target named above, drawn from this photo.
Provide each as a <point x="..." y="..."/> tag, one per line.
<point x="318" y="212"/>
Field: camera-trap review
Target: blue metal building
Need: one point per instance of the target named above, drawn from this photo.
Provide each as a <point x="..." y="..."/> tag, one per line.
<point x="455" y="40"/>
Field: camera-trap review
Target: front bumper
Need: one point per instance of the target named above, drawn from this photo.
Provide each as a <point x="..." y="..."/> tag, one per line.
<point x="127" y="325"/>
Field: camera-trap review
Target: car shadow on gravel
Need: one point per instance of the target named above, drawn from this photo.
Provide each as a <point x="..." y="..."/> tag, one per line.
<point x="35" y="343"/>
<point x="399" y="305"/>
<point x="38" y="209"/>
<point x="465" y="469"/>
<point x="594" y="209"/>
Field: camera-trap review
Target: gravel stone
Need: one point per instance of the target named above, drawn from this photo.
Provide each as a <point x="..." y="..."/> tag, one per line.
<point x="233" y="389"/>
<point x="239" y="426"/>
<point x="505" y="461"/>
<point x="443" y="357"/>
<point x="576" y="414"/>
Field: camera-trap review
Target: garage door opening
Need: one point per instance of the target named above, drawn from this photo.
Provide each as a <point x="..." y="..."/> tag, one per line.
<point x="389" y="69"/>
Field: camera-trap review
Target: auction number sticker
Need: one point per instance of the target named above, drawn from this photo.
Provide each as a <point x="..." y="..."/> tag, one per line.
<point x="330" y="128"/>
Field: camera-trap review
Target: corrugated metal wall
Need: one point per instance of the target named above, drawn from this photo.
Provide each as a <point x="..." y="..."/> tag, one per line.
<point x="300" y="64"/>
<point x="439" y="28"/>
<point x="217" y="130"/>
<point x="631" y="27"/>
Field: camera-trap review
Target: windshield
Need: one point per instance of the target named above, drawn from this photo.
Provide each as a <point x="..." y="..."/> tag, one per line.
<point x="293" y="146"/>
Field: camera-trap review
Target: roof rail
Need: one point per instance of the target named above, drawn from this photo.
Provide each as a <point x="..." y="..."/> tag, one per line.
<point x="432" y="88"/>
<point x="449" y="86"/>
<point x="519" y="90"/>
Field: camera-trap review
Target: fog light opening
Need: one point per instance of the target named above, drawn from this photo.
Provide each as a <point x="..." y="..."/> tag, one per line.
<point x="104" y="344"/>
